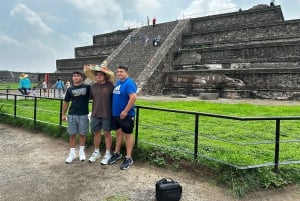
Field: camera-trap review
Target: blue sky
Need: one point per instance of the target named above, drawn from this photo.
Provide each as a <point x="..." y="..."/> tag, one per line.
<point x="35" y="33"/>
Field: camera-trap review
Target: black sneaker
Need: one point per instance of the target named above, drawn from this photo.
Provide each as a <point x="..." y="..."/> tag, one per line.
<point x="127" y="162"/>
<point x="114" y="158"/>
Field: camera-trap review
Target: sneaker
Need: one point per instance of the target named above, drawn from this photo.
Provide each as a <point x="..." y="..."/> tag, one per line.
<point x="94" y="157"/>
<point x="114" y="158"/>
<point x="127" y="162"/>
<point x="70" y="158"/>
<point x="82" y="156"/>
<point x="105" y="159"/>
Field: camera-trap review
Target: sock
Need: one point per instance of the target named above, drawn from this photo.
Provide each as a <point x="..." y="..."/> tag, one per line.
<point x="97" y="150"/>
<point x="72" y="151"/>
<point x="107" y="152"/>
<point x="81" y="148"/>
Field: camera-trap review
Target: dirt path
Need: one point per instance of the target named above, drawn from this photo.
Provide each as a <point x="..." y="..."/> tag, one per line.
<point x="32" y="168"/>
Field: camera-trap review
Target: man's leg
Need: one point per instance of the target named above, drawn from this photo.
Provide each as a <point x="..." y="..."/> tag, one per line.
<point x="72" y="154"/>
<point x="21" y="91"/>
<point x="128" y="158"/>
<point x="96" y="130"/>
<point x="108" y="140"/>
<point x="119" y="139"/>
<point x="72" y="141"/>
<point x="81" y="147"/>
<point x="97" y="139"/>
<point x="129" y="144"/>
<point x="117" y="155"/>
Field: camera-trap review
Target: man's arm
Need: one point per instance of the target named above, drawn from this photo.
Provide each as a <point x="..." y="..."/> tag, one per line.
<point x="132" y="99"/>
<point x="64" y="110"/>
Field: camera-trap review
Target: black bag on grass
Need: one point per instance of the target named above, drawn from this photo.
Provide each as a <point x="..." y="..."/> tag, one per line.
<point x="168" y="189"/>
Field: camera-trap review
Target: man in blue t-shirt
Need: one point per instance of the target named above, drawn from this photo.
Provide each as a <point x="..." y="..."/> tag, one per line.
<point x="124" y="97"/>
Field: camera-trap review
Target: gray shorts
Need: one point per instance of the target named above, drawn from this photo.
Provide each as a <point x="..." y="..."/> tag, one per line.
<point x="98" y="123"/>
<point x="78" y="124"/>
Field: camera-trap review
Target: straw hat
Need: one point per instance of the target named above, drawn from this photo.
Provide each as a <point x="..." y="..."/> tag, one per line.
<point x="90" y="69"/>
<point x="23" y="75"/>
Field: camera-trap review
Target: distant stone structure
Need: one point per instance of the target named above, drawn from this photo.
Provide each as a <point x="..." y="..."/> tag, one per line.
<point x="250" y="53"/>
<point x="13" y="77"/>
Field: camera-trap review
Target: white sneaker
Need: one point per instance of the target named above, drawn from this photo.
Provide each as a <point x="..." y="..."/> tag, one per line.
<point x="70" y="158"/>
<point x="105" y="159"/>
<point x="94" y="157"/>
<point x="82" y="156"/>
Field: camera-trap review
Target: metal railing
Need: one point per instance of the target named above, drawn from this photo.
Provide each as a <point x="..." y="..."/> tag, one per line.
<point x="196" y="134"/>
<point x="277" y="120"/>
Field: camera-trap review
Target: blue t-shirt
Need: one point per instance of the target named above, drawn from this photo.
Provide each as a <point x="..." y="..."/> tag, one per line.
<point x="25" y="83"/>
<point x="121" y="94"/>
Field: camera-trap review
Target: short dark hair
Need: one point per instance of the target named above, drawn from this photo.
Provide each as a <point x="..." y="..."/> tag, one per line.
<point x="78" y="73"/>
<point x="124" y="67"/>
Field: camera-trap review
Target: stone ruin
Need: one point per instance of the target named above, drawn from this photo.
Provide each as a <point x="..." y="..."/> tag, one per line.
<point x="252" y="53"/>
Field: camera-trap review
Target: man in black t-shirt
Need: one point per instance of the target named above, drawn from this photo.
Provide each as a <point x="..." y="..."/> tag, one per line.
<point x="78" y="122"/>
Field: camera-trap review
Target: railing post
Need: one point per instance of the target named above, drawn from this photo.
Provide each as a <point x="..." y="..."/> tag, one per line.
<point x="15" y="105"/>
<point x="196" y="136"/>
<point x="137" y="125"/>
<point x="60" y="112"/>
<point x="7" y="94"/>
<point x="34" y="111"/>
<point x="277" y="144"/>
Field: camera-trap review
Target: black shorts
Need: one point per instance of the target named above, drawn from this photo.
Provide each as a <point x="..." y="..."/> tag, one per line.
<point x="126" y="124"/>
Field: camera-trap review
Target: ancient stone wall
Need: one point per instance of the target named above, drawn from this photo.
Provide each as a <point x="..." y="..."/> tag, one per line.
<point x="260" y="15"/>
<point x="69" y="65"/>
<point x="111" y="38"/>
<point x="258" y="83"/>
<point x="244" y="33"/>
<point x="263" y="52"/>
<point x="95" y="50"/>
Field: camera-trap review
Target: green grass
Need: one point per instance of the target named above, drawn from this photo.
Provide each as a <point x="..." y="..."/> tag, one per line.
<point x="12" y="85"/>
<point x="169" y="137"/>
<point x="9" y="85"/>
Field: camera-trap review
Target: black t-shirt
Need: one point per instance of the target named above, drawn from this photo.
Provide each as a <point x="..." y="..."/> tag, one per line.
<point x="79" y="95"/>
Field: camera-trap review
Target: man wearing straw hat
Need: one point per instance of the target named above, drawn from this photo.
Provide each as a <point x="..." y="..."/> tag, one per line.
<point x="24" y="85"/>
<point x="101" y="93"/>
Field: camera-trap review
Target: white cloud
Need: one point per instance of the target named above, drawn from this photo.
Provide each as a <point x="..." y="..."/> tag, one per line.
<point x="40" y="48"/>
<point x="31" y="17"/>
<point x="6" y="40"/>
<point x="96" y="7"/>
<point x="106" y="15"/>
<point x="147" y="5"/>
<point x="84" y="38"/>
<point x="199" y="8"/>
<point x="52" y="18"/>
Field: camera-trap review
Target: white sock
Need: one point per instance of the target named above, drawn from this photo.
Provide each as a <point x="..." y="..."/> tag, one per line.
<point x="97" y="151"/>
<point x="72" y="151"/>
<point x="81" y="148"/>
<point x="107" y="152"/>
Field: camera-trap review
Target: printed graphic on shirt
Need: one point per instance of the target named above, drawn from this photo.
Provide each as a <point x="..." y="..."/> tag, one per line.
<point x="79" y="92"/>
<point x="117" y="89"/>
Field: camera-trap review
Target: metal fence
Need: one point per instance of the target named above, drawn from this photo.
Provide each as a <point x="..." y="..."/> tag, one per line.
<point x="162" y="114"/>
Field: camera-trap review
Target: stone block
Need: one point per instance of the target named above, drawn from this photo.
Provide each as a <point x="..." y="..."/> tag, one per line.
<point x="209" y="96"/>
